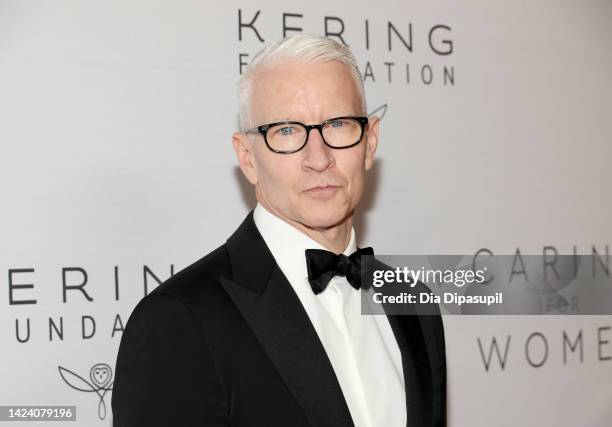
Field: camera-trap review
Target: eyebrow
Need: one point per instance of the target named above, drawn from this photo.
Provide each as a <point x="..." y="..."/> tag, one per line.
<point x="295" y="120"/>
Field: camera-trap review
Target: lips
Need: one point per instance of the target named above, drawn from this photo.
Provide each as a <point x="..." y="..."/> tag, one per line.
<point x="323" y="188"/>
<point x="322" y="192"/>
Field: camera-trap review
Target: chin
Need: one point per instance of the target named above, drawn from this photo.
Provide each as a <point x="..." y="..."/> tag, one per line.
<point x="324" y="216"/>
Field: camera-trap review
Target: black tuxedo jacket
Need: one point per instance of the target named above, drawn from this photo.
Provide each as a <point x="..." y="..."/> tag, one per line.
<point x="226" y="342"/>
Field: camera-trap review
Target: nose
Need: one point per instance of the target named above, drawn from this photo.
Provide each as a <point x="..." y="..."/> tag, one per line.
<point x="317" y="155"/>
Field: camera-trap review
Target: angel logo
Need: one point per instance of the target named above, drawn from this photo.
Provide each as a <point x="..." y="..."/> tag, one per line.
<point x="101" y="376"/>
<point x="381" y="111"/>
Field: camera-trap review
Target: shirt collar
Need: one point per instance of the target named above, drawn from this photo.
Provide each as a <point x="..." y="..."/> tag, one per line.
<point x="288" y="244"/>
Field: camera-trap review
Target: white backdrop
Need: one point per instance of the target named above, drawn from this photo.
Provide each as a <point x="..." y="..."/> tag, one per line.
<point x="116" y="163"/>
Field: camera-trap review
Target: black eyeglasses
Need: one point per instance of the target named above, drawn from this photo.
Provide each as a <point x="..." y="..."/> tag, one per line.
<point x="290" y="137"/>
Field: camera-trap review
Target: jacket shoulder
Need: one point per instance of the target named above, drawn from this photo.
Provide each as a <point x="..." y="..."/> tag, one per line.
<point x="200" y="278"/>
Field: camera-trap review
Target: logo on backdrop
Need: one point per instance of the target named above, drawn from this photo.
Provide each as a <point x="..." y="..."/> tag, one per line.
<point x="100" y="381"/>
<point x="500" y="353"/>
<point x="397" y="50"/>
<point x="380" y="112"/>
<point x="75" y="291"/>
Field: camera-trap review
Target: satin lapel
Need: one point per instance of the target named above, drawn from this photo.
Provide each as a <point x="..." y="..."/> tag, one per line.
<point x="269" y="305"/>
<point x="416" y="367"/>
<point x="416" y="360"/>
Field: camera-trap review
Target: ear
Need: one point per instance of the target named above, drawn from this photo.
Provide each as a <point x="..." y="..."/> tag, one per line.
<point x="244" y="154"/>
<point x="371" y="141"/>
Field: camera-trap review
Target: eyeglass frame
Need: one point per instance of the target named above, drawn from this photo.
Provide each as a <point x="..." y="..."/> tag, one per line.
<point x="263" y="130"/>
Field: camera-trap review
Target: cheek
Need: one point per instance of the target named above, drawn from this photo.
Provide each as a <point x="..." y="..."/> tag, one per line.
<point x="356" y="190"/>
<point x="277" y="175"/>
<point x="354" y="172"/>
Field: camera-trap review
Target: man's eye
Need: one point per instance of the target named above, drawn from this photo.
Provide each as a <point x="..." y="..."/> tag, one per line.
<point x="285" y="131"/>
<point x="337" y="123"/>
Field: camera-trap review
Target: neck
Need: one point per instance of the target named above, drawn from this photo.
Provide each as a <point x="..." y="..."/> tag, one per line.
<point x="334" y="238"/>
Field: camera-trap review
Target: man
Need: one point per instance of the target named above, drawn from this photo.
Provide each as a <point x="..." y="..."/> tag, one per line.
<point x="266" y="330"/>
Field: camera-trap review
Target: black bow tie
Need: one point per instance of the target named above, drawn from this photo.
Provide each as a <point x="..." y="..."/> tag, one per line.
<point x="323" y="265"/>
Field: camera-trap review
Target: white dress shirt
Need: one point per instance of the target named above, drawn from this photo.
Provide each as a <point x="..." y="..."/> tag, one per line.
<point x="361" y="348"/>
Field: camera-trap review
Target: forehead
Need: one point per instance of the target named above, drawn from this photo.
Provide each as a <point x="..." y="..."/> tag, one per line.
<point x="291" y="90"/>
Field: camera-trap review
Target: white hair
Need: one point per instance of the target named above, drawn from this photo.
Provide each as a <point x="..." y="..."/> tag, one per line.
<point x="304" y="48"/>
